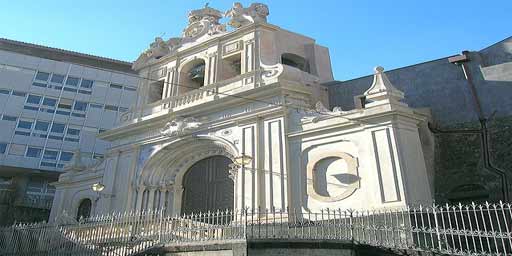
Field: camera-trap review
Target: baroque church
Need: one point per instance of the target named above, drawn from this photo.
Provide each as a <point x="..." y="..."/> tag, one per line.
<point x="234" y="116"/>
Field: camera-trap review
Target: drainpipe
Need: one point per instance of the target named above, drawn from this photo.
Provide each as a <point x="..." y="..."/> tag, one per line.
<point x="462" y="60"/>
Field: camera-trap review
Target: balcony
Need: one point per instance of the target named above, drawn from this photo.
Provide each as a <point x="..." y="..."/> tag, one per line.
<point x="189" y="99"/>
<point x="250" y="80"/>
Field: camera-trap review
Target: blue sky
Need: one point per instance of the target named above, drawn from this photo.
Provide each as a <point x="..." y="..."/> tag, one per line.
<point x="360" y="34"/>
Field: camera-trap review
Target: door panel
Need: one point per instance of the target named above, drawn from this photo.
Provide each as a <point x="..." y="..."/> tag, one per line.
<point x="207" y="186"/>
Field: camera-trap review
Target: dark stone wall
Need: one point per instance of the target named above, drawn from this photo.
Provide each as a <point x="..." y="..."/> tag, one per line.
<point x="461" y="171"/>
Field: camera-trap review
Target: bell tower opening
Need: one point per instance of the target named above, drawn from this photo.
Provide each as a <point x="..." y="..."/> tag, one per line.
<point x="192" y="76"/>
<point x="207" y="186"/>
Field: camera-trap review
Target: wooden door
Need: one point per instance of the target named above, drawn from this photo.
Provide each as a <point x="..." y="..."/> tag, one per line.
<point x="207" y="186"/>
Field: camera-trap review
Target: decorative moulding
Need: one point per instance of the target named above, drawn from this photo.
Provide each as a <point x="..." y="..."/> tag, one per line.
<point x="352" y="165"/>
<point x="381" y="88"/>
<point x="180" y="126"/>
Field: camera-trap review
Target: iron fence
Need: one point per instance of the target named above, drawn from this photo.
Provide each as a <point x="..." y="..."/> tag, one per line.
<point x="483" y="229"/>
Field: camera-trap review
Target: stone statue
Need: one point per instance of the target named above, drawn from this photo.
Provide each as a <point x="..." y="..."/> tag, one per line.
<point x="156" y="49"/>
<point x="180" y="126"/>
<point x="241" y="16"/>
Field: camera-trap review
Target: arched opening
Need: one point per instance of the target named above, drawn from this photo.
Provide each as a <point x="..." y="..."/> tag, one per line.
<point x="192" y="76"/>
<point x="295" y="61"/>
<point x="207" y="186"/>
<point x="84" y="209"/>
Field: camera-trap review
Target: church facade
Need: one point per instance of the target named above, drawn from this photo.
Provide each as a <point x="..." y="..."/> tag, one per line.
<point x="234" y="117"/>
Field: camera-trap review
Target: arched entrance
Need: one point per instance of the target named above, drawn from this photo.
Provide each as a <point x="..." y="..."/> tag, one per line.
<point x="84" y="209"/>
<point x="207" y="186"/>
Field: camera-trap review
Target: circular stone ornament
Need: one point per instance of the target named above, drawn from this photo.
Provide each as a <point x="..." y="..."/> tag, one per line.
<point x="351" y="178"/>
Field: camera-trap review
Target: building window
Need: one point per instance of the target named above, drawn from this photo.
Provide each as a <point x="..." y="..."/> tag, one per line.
<point x="49" y="102"/>
<point x="3" y="147"/>
<point x="22" y="124"/>
<point x="110" y="107"/>
<point x="93" y="105"/>
<point x="80" y="106"/>
<point x="42" y="76"/>
<point x="39" y="84"/>
<point x="130" y="89"/>
<point x="4" y="91"/>
<point x="86" y="83"/>
<point x="116" y="86"/>
<point x="9" y="118"/>
<point x="73" y="132"/>
<point x="72" y="81"/>
<point x="296" y="61"/>
<point x="66" y="156"/>
<point x="97" y="156"/>
<point x="50" y="154"/>
<point x="33" y="152"/>
<point x="34" y="99"/>
<point x="58" y="79"/>
<point x="84" y="209"/>
<point x="65" y="104"/>
<point x="58" y="128"/>
<point x="42" y="126"/>
<point x="18" y="93"/>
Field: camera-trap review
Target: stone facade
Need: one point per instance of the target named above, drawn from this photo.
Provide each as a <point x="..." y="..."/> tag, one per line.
<point x="253" y="92"/>
<point x="466" y="168"/>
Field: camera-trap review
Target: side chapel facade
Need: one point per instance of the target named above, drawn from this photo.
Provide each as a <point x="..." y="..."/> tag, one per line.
<point x="213" y="95"/>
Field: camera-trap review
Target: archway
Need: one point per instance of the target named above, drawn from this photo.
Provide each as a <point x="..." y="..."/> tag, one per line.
<point x="207" y="186"/>
<point x="84" y="209"/>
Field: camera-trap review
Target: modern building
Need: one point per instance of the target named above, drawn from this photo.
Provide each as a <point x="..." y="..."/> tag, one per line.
<point x="235" y="118"/>
<point x="53" y="103"/>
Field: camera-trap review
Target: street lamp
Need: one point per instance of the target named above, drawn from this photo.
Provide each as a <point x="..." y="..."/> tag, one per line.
<point x="98" y="187"/>
<point x="243" y="160"/>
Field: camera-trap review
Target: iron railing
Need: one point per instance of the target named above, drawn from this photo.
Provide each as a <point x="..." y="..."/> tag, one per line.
<point x="483" y="229"/>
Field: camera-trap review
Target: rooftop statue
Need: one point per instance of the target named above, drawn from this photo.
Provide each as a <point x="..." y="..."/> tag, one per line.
<point x="241" y="16"/>
<point x="204" y="22"/>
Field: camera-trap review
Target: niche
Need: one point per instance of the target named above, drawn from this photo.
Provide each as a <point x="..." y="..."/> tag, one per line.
<point x="155" y="91"/>
<point x="231" y="67"/>
<point x="192" y="76"/>
<point x="296" y="61"/>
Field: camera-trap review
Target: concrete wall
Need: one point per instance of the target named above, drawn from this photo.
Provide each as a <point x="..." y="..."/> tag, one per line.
<point x="274" y="248"/>
<point x="442" y="87"/>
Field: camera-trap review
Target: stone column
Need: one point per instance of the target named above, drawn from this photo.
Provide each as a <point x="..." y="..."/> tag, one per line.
<point x="133" y="167"/>
<point x="151" y="198"/>
<point x="169" y="199"/>
<point x="140" y="194"/>
<point x="163" y="191"/>
<point x="178" y="197"/>
<point x="233" y="175"/>
<point x="171" y="83"/>
<point x="210" y="72"/>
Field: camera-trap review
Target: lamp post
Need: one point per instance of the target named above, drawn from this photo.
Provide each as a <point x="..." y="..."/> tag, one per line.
<point x="242" y="160"/>
<point x="98" y="188"/>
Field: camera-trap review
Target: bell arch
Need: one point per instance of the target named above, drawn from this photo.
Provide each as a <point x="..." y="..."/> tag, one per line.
<point x="160" y="183"/>
<point x="191" y="75"/>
